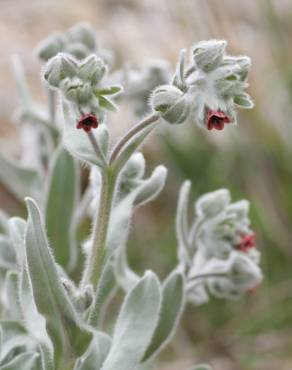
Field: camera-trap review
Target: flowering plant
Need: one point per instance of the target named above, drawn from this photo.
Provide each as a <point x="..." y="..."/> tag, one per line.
<point x="52" y="309"/>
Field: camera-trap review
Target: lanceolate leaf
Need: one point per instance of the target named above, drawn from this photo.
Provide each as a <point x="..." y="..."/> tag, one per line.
<point x="96" y="353"/>
<point x="24" y="361"/>
<point x="135" y="325"/>
<point x="34" y="322"/>
<point x="10" y="296"/>
<point x="171" y="310"/>
<point x="50" y="296"/>
<point x="61" y="201"/>
<point x="20" y="181"/>
<point x="105" y="288"/>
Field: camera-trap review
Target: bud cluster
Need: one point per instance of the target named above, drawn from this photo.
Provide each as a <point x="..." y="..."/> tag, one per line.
<point x="220" y="255"/>
<point x="208" y="91"/>
<point x="80" y="41"/>
<point x="80" y="82"/>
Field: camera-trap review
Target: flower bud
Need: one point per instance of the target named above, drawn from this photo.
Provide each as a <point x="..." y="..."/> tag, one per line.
<point x="83" y="34"/>
<point x="78" y="50"/>
<point x="59" y="68"/>
<point x="244" y="273"/>
<point x="210" y="204"/>
<point x="50" y="47"/>
<point x="92" y="69"/>
<point x="171" y="103"/>
<point x="208" y="55"/>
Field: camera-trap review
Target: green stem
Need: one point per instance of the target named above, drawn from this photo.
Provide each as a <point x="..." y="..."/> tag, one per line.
<point x="148" y="121"/>
<point x="109" y="175"/>
<point x="97" y="254"/>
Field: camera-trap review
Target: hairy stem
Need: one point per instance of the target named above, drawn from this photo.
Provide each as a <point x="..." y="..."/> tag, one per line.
<point x="148" y="121"/>
<point x="52" y="106"/>
<point x="97" y="254"/>
<point x="96" y="147"/>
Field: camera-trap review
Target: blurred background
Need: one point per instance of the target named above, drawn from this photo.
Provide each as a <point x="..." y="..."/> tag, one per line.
<point x="252" y="160"/>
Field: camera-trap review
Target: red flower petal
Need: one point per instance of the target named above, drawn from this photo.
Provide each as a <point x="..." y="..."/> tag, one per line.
<point x="87" y="122"/>
<point x="216" y="119"/>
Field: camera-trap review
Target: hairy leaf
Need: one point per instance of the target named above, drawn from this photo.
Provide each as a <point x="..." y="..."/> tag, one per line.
<point x="60" y="205"/>
<point x="171" y="310"/>
<point x="135" y="325"/>
<point x="51" y="299"/>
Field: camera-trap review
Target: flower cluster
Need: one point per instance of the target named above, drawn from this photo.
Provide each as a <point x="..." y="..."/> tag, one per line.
<point x="80" y="41"/>
<point x="221" y="253"/>
<point x="208" y="91"/>
<point x="80" y="83"/>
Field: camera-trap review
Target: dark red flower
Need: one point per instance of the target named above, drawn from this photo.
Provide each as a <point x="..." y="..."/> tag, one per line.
<point x="216" y="119"/>
<point x="87" y="122"/>
<point x="247" y="242"/>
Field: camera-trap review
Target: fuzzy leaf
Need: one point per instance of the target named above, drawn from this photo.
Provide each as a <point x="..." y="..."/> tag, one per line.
<point x="107" y="104"/>
<point x="20" y="181"/>
<point x="14" y="337"/>
<point x="111" y="90"/>
<point x="171" y="310"/>
<point x="10" y="296"/>
<point x="150" y="188"/>
<point x="24" y="361"/>
<point x="50" y="296"/>
<point x="105" y="287"/>
<point x="60" y="205"/>
<point x="202" y="367"/>
<point x="182" y="223"/>
<point x="34" y="322"/>
<point x="96" y="353"/>
<point x="7" y="255"/>
<point x="77" y="141"/>
<point x="135" y="325"/>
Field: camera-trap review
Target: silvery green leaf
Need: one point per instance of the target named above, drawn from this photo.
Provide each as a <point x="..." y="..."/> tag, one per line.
<point x="7" y="254"/>
<point x="244" y="100"/>
<point x="179" y="78"/>
<point x="134" y="168"/>
<point x="34" y="322"/>
<point x="182" y="224"/>
<point x="77" y="141"/>
<point x="107" y="104"/>
<point x="60" y="205"/>
<point x="14" y="337"/>
<point x="17" y="232"/>
<point x="20" y="181"/>
<point x="171" y="310"/>
<point x="10" y="296"/>
<point x="110" y="90"/>
<point x="24" y="361"/>
<point x="150" y="188"/>
<point x="51" y="299"/>
<point x="106" y="285"/>
<point x="125" y="276"/>
<point x="141" y="306"/>
<point x="96" y="353"/>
